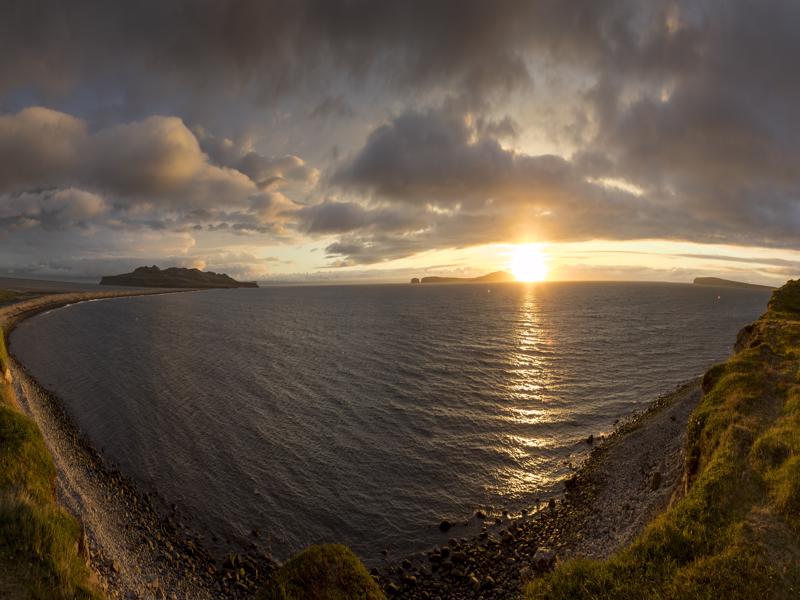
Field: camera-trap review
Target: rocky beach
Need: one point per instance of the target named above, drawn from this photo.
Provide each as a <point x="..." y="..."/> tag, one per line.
<point x="135" y="547"/>
<point x="627" y="479"/>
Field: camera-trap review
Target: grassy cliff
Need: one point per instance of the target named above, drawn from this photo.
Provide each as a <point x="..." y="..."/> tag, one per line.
<point x="39" y="542"/>
<point x="734" y="532"/>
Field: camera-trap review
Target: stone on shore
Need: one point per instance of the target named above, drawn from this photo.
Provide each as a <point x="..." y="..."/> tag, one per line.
<point x="544" y="559"/>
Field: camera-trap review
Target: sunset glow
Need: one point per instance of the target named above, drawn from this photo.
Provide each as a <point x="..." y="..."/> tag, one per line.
<point x="529" y="263"/>
<point x="373" y="150"/>
<point x="399" y="299"/>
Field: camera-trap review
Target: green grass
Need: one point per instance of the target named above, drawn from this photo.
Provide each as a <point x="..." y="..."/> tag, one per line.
<point x="735" y="532"/>
<point x="329" y="572"/>
<point x="39" y="556"/>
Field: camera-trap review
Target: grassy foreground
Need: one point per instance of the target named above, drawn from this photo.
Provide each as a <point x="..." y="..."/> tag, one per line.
<point x="736" y="531"/>
<point x="39" y="548"/>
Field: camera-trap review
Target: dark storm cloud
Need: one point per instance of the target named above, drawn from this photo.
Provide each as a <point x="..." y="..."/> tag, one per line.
<point x="459" y="186"/>
<point x="718" y="136"/>
<point x="37" y="143"/>
<point x="274" y="47"/>
<point x="436" y="157"/>
<point x="698" y="113"/>
<point x="52" y="209"/>
<point x="265" y="171"/>
<point x="341" y="217"/>
<point x="678" y="120"/>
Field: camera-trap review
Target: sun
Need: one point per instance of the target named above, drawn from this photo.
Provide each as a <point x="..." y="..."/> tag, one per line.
<point x="529" y="263"/>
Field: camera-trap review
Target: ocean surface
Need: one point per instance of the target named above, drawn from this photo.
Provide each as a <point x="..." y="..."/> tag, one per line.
<point x="367" y="414"/>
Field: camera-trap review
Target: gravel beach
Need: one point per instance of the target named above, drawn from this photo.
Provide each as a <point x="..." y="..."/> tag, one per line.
<point x="628" y="478"/>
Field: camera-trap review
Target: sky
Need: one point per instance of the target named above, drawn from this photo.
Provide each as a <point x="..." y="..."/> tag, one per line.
<point x="333" y="140"/>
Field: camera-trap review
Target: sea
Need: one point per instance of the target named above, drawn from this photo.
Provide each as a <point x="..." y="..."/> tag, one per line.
<point x="284" y="416"/>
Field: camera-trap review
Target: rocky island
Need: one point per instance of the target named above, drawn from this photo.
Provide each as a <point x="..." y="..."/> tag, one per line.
<point x="717" y="282"/>
<point x="175" y="277"/>
<point x="496" y="277"/>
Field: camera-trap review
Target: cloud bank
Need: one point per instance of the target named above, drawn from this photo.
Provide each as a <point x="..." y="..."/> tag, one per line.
<point x="384" y="130"/>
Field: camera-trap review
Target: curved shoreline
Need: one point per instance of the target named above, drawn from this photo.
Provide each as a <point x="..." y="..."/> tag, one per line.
<point x="13" y="314"/>
<point x="133" y="549"/>
<point x="634" y="474"/>
<point x="137" y="553"/>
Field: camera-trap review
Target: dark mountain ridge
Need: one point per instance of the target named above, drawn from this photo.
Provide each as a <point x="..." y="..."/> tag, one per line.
<point x="175" y="277"/>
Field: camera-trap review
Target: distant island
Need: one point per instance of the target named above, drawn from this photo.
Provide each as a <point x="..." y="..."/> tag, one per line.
<point x="496" y="277"/>
<point x="717" y="282"/>
<point x="175" y="277"/>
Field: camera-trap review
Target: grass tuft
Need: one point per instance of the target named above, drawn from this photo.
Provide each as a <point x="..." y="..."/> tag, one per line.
<point x="327" y="572"/>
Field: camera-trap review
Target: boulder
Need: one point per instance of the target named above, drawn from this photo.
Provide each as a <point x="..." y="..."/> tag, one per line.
<point x="544" y="559"/>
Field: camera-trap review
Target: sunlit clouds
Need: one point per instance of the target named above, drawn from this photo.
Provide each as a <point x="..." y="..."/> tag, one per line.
<point x="308" y="141"/>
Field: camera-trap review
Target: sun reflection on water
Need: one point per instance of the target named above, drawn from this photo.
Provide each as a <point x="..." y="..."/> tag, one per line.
<point x="526" y="446"/>
<point x="530" y="375"/>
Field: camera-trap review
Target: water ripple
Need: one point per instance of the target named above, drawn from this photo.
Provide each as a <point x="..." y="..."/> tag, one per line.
<point x="366" y="414"/>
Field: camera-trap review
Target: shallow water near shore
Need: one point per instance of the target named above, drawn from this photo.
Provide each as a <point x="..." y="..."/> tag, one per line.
<point x="366" y="414"/>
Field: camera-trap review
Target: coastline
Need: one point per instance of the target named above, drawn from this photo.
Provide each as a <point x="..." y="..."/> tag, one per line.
<point x="627" y="479"/>
<point x="12" y="314"/>
<point x="133" y="549"/>
<point x="136" y="553"/>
